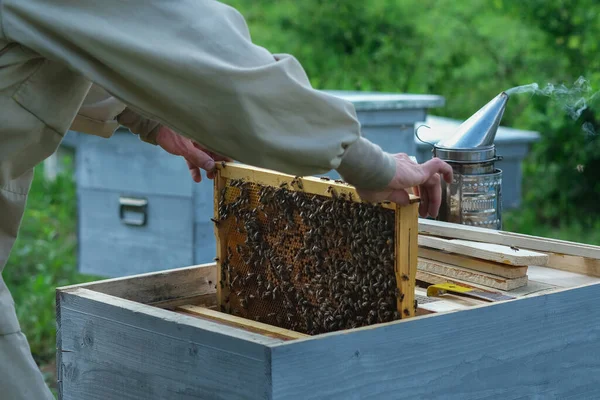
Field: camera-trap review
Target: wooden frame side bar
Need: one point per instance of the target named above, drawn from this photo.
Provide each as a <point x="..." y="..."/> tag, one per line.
<point x="406" y="257"/>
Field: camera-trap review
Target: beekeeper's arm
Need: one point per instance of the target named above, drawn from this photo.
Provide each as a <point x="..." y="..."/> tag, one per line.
<point x="191" y="66"/>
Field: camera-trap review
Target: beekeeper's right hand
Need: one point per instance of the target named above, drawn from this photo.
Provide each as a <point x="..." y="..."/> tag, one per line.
<point x="424" y="178"/>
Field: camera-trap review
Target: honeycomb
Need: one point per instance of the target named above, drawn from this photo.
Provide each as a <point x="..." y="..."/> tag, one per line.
<point x="305" y="262"/>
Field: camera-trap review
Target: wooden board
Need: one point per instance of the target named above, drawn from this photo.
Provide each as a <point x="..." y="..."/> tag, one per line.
<point x="577" y="264"/>
<point x="179" y="285"/>
<point x="477" y="264"/>
<point x="563" y="279"/>
<point x="469" y="275"/>
<point x="231" y="320"/>
<point x="457" y="231"/>
<point x="486" y="251"/>
<point x="113" y="349"/>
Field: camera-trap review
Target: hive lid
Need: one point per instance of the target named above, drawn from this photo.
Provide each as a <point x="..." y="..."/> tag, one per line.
<point x="474" y="139"/>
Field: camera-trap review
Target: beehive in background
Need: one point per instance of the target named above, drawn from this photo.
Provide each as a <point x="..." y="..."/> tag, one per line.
<point x="307" y="254"/>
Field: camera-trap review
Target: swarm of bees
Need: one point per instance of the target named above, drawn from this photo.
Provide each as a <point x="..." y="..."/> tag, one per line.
<point x="305" y="262"/>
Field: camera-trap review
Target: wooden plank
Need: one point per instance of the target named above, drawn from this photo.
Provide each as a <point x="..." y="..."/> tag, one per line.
<point x="563" y="279"/>
<point x="204" y="300"/>
<point x="580" y="265"/>
<point x="469" y="275"/>
<point x="309" y="184"/>
<point x="538" y="347"/>
<point x="477" y="264"/>
<point x="243" y="323"/>
<point x="114" y="349"/>
<point x="536" y="243"/>
<point x="155" y="287"/>
<point x="486" y="251"/>
<point x="406" y="257"/>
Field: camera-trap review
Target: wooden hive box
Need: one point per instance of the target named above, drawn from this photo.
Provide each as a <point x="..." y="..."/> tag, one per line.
<point x="162" y="336"/>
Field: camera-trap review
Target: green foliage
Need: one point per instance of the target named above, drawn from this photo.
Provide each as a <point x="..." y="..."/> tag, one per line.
<point x="43" y="258"/>
<point x="468" y="51"/>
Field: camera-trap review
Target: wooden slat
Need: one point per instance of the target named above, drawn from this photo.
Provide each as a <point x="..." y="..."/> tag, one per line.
<point x="564" y="279"/>
<point x="243" y="323"/>
<point x="204" y="300"/>
<point x="580" y="265"/>
<point x="469" y="275"/>
<point x="486" y="251"/>
<point x="533" y="348"/>
<point x="309" y="184"/>
<point x="457" y="231"/>
<point x="477" y="264"/>
<point x="155" y="287"/>
<point x="406" y="257"/>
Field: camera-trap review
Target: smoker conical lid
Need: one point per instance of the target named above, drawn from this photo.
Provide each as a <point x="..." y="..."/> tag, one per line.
<point x="479" y="131"/>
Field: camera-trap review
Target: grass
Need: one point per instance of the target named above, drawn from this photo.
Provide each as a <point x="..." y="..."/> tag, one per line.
<point x="45" y="256"/>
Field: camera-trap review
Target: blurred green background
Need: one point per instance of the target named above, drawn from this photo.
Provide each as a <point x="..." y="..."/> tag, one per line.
<point x="466" y="51"/>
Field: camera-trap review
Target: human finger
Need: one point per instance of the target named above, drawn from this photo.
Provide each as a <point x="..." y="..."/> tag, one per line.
<point x="195" y="171"/>
<point x="434" y="192"/>
<point x="437" y="166"/>
<point x="200" y="159"/>
<point x="424" y="202"/>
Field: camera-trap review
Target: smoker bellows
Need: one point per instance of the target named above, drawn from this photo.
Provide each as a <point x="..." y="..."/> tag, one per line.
<point x="475" y="196"/>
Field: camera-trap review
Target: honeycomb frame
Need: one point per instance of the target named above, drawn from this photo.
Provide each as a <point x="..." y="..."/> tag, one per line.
<point x="244" y="186"/>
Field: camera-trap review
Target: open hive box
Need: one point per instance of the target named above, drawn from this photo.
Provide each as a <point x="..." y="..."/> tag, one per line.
<point x="163" y="335"/>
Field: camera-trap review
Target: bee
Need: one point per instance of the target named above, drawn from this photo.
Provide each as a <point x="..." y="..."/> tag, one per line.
<point x="515" y="248"/>
<point x="223" y="164"/>
<point x="244" y="303"/>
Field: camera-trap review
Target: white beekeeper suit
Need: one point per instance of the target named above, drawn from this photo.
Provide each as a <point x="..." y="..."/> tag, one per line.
<point x="187" y="64"/>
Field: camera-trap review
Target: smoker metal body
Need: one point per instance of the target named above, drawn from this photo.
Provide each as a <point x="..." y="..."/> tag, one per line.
<point x="474" y="197"/>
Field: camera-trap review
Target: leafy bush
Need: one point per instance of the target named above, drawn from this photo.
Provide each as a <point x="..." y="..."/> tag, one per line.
<point x="467" y="51"/>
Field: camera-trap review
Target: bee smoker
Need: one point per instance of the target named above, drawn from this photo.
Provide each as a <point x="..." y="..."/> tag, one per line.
<point x="475" y="195"/>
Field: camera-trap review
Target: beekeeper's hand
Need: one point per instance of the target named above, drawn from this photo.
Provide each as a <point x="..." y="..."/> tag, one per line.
<point x="195" y="156"/>
<point x="424" y="178"/>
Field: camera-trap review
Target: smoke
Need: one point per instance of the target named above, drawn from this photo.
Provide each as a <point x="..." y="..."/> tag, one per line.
<point x="574" y="100"/>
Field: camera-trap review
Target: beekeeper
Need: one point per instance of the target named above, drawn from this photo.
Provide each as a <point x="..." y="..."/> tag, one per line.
<point x="160" y="67"/>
